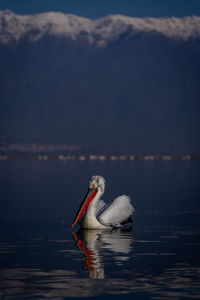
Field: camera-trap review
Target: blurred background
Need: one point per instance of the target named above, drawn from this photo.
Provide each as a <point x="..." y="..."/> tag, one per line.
<point x="91" y="77"/>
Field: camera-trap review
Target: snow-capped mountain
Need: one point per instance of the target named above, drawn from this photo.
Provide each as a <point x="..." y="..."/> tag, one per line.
<point x="15" y="27"/>
<point x="112" y="84"/>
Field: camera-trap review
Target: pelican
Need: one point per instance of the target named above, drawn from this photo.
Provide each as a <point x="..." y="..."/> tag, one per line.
<point x="95" y="214"/>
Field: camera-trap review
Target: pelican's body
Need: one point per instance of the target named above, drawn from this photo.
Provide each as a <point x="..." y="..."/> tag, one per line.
<point x="97" y="215"/>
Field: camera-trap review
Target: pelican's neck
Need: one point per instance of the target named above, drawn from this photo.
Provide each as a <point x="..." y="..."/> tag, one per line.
<point x="90" y="221"/>
<point x="93" y="205"/>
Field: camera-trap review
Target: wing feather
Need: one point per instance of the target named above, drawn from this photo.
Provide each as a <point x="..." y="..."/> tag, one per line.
<point x="117" y="212"/>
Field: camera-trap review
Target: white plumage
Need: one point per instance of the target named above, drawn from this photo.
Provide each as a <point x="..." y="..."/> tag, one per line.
<point x="117" y="212"/>
<point x="98" y="215"/>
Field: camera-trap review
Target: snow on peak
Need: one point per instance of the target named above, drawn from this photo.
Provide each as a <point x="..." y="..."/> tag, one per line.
<point x="182" y="28"/>
<point x="14" y="27"/>
<point x="17" y="26"/>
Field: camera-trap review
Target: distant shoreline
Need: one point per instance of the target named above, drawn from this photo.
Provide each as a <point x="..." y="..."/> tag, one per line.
<point x="91" y="157"/>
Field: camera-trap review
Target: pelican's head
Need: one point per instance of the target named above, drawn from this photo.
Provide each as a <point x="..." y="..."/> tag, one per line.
<point x="97" y="182"/>
<point x="96" y="185"/>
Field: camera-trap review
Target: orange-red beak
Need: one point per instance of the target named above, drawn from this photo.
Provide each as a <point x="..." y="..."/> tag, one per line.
<point x="84" y="205"/>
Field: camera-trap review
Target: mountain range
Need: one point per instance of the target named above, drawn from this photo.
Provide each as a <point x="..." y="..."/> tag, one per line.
<point x="115" y="84"/>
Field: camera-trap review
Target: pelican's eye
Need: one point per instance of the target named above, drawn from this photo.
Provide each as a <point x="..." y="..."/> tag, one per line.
<point x="92" y="186"/>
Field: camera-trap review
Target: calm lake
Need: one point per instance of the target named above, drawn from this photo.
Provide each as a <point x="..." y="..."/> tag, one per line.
<point x="41" y="257"/>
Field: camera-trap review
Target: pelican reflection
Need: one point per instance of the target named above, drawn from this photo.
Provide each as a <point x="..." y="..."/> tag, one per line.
<point x="94" y="243"/>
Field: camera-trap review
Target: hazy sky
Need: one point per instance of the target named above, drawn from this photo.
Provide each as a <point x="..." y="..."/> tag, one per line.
<point x="99" y="8"/>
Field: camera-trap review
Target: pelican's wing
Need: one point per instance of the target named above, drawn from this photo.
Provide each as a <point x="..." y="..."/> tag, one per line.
<point x="117" y="212"/>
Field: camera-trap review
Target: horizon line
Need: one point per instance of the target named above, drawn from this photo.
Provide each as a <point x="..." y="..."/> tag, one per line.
<point x="99" y="157"/>
<point x="93" y="19"/>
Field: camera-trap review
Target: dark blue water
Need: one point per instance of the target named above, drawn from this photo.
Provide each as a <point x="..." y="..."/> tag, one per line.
<point x="41" y="257"/>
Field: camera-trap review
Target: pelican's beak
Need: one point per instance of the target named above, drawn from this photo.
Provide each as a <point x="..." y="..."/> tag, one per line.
<point x="84" y="205"/>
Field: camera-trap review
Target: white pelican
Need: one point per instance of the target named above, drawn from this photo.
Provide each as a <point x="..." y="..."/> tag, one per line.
<point x="98" y="215"/>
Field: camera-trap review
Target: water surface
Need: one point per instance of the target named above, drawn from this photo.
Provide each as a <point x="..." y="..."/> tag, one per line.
<point x="42" y="257"/>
